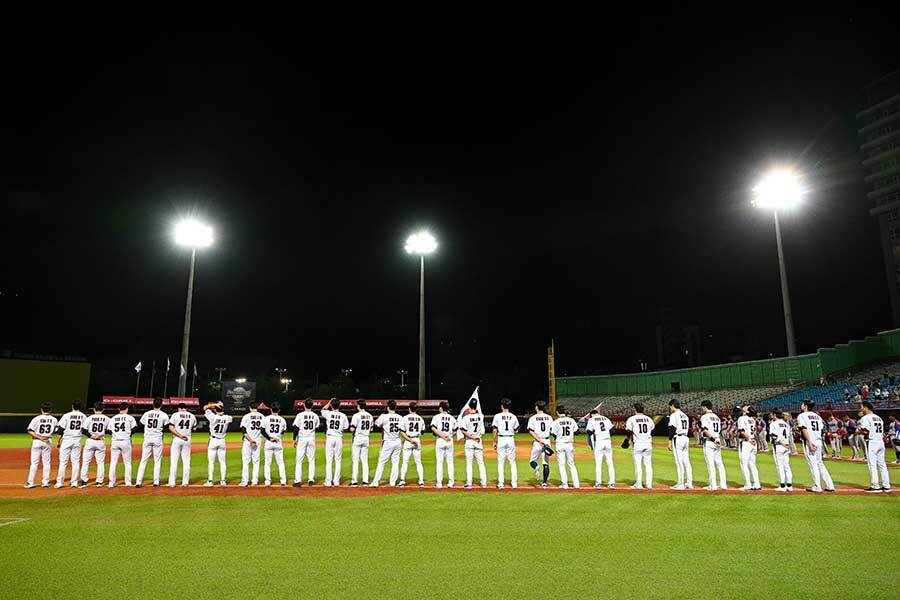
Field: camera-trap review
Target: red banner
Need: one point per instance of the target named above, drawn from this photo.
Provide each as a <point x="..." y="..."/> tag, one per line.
<point x="116" y="400"/>
<point x="379" y="403"/>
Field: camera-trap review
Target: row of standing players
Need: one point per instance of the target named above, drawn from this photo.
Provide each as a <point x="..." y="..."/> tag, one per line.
<point x="402" y="438"/>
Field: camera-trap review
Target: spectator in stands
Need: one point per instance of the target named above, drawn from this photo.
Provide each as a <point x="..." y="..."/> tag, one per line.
<point x="846" y="396"/>
<point x="893" y="397"/>
<point x="894" y="437"/>
<point x="865" y="392"/>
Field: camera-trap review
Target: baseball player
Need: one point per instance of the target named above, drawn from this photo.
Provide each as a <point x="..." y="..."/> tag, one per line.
<point x="218" y="429"/>
<point x="598" y="428"/>
<point x="539" y="425"/>
<point x="811" y="428"/>
<point x="69" y="444"/>
<point x="779" y="433"/>
<point x="679" y="445"/>
<point x="711" y="430"/>
<point x="94" y="429"/>
<point x="121" y="426"/>
<point x="154" y="422"/>
<point x="563" y="430"/>
<point x="251" y="443"/>
<point x="181" y="424"/>
<point x="411" y="428"/>
<point x="472" y="428"/>
<point x="852" y="438"/>
<point x="639" y="428"/>
<point x="746" y="425"/>
<point x="360" y="426"/>
<point x="443" y="426"/>
<point x="833" y="427"/>
<point x="305" y="425"/>
<point x="41" y="430"/>
<point x="873" y="428"/>
<point x="505" y="425"/>
<point x="273" y="428"/>
<point x="335" y="425"/>
<point x="389" y="423"/>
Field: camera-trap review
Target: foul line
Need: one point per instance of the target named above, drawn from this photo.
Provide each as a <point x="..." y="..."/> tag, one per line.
<point x="11" y="521"/>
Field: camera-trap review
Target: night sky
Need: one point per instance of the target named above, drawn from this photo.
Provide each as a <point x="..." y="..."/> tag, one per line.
<point x="577" y="181"/>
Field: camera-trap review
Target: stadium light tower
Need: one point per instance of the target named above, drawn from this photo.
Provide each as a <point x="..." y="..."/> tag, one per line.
<point x="422" y="244"/>
<point x="192" y="234"/>
<point x="781" y="190"/>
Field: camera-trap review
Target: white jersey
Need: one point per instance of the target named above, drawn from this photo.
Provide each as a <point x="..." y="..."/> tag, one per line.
<point x="154" y="422"/>
<point x="506" y="424"/>
<point x="362" y="423"/>
<point x="121" y="426"/>
<point x="564" y="428"/>
<point x="96" y="424"/>
<point x="680" y="422"/>
<point x="412" y="425"/>
<point x="251" y="423"/>
<point x="781" y="431"/>
<point x="274" y="426"/>
<point x="306" y="424"/>
<point x="183" y="422"/>
<point x="873" y="424"/>
<point x="218" y="424"/>
<point x="540" y="424"/>
<point x="473" y="424"/>
<point x="336" y="423"/>
<point x="71" y="424"/>
<point x="641" y="427"/>
<point x="444" y="423"/>
<point x="712" y="424"/>
<point x="600" y="426"/>
<point x="43" y="425"/>
<point x="390" y="425"/>
<point x="811" y="422"/>
<point x="746" y="424"/>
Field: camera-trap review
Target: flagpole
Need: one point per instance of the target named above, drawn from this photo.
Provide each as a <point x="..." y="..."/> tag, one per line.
<point x="137" y="386"/>
<point x="193" y="380"/>
<point x="152" y="378"/>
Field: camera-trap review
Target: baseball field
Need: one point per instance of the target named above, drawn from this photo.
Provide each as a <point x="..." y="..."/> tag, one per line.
<point x="229" y="542"/>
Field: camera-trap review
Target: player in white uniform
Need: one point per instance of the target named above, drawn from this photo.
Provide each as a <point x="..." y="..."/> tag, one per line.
<point x="598" y="428"/>
<point x="472" y="428"/>
<point x="218" y="429"/>
<point x="811" y="427"/>
<point x="873" y="428"/>
<point x="41" y="430"/>
<point x="639" y="428"/>
<point x="273" y="429"/>
<point x="389" y="423"/>
<point x="121" y="426"/>
<point x="679" y="444"/>
<point x="564" y="429"/>
<point x="411" y="428"/>
<point x="181" y="424"/>
<point x="251" y="444"/>
<point x="154" y="422"/>
<point x="711" y="434"/>
<point x="94" y="429"/>
<point x="69" y="444"/>
<point x="443" y="426"/>
<point x="746" y="426"/>
<point x="336" y="424"/>
<point x="780" y="433"/>
<point x="539" y="425"/>
<point x="505" y="426"/>
<point x="360" y="426"/>
<point x="304" y="430"/>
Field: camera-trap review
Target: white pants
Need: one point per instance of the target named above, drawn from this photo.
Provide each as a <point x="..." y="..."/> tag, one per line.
<point x="643" y="461"/>
<point x="306" y="448"/>
<point x="565" y="456"/>
<point x="475" y="451"/>
<point x="40" y="454"/>
<point x="250" y="454"/>
<point x="783" y="464"/>
<point x="603" y="452"/>
<point x="414" y="451"/>
<point x="747" y="459"/>
<point x="506" y="453"/>
<point x="334" y="449"/>
<point x="276" y="451"/>
<point x="216" y="449"/>
<point x="877" y="464"/>
<point x="117" y="448"/>
<point x="150" y="448"/>
<point x="680" y="445"/>
<point x="390" y="451"/>
<point x="70" y="449"/>
<point x="359" y="453"/>
<point x="817" y="467"/>
<point x="537" y="452"/>
<point x="712" y="452"/>
<point x="180" y="449"/>
<point x="93" y="450"/>
<point x="443" y="451"/>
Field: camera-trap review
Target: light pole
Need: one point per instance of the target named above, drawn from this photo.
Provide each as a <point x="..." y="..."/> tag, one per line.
<point x="422" y="244"/>
<point x="781" y="190"/>
<point x="402" y="373"/>
<point x="286" y="383"/>
<point x="193" y="234"/>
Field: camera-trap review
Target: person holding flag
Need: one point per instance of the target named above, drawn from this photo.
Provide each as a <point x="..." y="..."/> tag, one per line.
<point x="467" y="408"/>
<point x="471" y="424"/>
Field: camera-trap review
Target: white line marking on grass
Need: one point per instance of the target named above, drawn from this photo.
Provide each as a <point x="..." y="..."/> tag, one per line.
<point x="11" y="521"/>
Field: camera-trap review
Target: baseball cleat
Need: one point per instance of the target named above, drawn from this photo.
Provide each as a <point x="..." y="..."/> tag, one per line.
<point x="58" y="485"/>
<point x="438" y="485"/>
<point x="81" y="484"/>
<point x="756" y="489"/>
<point x="577" y="486"/>
<point x="352" y="484"/>
<point x="111" y="485"/>
<point x="814" y="490"/>
<point x="830" y="490"/>
<point x="45" y="485"/>
<point x="746" y="489"/>
<point x="886" y="490"/>
<point x="873" y="490"/>
<point x="222" y="483"/>
<point x="244" y="484"/>
<point x="311" y="482"/>
<point x="137" y="485"/>
<point x="450" y="484"/>
<point x="28" y="486"/>
<point x="365" y="482"/>
<point x="543" y="484"/>
<point x="468" y="486"/>
<point x="400" y="484"/>
<point x="156" y="485"/>
<point x="208" y="484"/>
<point x="374" y="484"/>
<point x="421" y="484"/>
<point x="789" y="488"/>
<point x="484" y="484"/>
<point x="99" y="484"/>
<point x="636" y="486"/>
<point x="564" y="486"/>
<point x="689" y="486"/>
<point x="514" y="485"/>
<point x="598" y="485"/>
<point x="677" y="487"/>
<point x="127" y="484"/>
<point x="84" y="481"/>
<point x="499" y="486"/>
<point x="327" y="484"/>
<point x="611" y="486"/>
<point x="171" y="485"/>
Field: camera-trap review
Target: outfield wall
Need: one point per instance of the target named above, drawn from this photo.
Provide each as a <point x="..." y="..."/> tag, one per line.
<point x="26" y="384"/>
